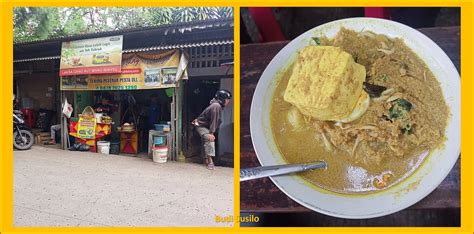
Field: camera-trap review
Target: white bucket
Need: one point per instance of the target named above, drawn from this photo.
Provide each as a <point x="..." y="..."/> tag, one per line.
<point x="103" y="147"/>
<point x="160" y="154"/>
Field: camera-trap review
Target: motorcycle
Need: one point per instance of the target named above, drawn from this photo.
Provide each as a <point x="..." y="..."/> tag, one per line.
<point x="23" y="138"/>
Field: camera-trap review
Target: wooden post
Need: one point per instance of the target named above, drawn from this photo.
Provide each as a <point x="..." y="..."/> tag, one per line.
<point x="178" y="91"/>
<point x="173" y="126"/>
<point x="64" y="129"/>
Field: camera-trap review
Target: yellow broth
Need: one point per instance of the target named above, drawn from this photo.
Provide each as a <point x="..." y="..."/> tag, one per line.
<point x="374" y="166"/>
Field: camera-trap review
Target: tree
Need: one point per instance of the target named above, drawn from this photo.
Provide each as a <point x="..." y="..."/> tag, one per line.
<point x="40" y="23"/>
<point x="32" y="23"/>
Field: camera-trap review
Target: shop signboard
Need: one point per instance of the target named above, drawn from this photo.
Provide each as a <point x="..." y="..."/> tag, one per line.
<point x="144" y="70"/>
<point x="86" y="128"/>
<point x="91" y="56"/>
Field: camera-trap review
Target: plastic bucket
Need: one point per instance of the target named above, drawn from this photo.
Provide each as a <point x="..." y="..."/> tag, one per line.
<point x="29" y="116"/>
<point x="158" y="140"/>
<point x="103" y="147"/>
<point x="160" y="154"/>
<point x="161" y="127"/>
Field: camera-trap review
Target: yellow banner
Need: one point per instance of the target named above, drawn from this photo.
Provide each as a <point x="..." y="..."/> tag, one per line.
<point x="86" y="128"/>
<point x="91" y="56"/>
<point x="142" y="70"/>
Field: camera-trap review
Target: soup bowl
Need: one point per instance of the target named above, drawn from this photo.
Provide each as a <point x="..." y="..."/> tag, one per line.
<point x="357" y="206"/>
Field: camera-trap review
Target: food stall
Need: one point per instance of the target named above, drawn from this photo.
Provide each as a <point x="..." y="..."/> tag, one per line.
<point x="90" y="128"/>
<point x="139" y="75"/>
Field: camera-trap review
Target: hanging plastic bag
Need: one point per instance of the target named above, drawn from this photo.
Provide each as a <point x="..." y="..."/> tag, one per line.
<point x="67" y="109"/>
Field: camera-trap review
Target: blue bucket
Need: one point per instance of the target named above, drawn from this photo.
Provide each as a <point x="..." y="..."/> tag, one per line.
<point x="159" y="127"/>
<point x="159" y="140"/>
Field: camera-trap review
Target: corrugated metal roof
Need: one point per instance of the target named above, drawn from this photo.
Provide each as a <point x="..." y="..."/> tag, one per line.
<point x="169" y="28"/>
<point x="144" y="49"/>
<point x="187" y="45"/>
<point x="36" y="59"/>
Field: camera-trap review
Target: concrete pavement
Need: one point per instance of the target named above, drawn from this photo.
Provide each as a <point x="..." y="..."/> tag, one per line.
<point x="54" y="187"/>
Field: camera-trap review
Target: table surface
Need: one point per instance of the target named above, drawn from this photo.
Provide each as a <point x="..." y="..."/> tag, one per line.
<point x="261" y="195"/>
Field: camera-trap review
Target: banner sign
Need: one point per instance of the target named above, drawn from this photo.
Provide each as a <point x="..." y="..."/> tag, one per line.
<point x="91" y="56"/>
<point x="144" y="70"/>
<point x="86" y="128"/>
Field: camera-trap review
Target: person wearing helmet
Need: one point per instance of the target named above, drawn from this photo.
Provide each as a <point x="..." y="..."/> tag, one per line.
<point x="208" y="122"/>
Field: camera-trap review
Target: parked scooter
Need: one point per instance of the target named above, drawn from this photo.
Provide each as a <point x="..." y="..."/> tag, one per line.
<point x="23" y="138"/>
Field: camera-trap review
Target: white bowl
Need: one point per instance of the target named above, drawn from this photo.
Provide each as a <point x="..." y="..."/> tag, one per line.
<point x="417" y="186"/>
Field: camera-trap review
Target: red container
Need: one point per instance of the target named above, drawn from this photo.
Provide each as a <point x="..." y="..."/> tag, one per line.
<point x="30" y="117"/>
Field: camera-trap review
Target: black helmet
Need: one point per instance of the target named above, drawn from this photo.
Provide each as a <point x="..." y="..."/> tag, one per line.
<point x="223" y="94"/>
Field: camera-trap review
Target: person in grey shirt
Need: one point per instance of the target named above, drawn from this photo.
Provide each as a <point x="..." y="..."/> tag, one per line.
<point x="208" y="122"/>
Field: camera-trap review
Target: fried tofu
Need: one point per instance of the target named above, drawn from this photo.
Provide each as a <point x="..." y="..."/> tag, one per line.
<point x="326" y="83"/>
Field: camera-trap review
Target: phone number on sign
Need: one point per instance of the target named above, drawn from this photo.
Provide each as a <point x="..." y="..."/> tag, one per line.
<point x="124" y="87"/>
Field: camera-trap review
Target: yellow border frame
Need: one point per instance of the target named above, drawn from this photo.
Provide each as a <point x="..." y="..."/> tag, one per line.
<point x="6" y="155"/>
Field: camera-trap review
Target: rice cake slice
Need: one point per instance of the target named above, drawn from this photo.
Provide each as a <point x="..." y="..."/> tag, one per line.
<point x="325" y="83"/>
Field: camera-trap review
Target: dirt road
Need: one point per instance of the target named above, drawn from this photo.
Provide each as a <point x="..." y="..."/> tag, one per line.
<point x="61" y="188"/>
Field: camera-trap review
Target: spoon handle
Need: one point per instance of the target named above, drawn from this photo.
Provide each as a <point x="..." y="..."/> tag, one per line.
<point x="260" y="172"/>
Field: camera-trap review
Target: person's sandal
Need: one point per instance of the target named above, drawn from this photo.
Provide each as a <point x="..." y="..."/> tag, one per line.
<point x="210" y="166"/>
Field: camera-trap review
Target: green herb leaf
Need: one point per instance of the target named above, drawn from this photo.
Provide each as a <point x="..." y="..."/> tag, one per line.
<point x="408" y="129"/>
<point x="394" y="113"/>
<point x="399" y="107"/>
<point x="404" y="104"/>
<point x="317" y="40"/>
<point x="384" y="77"/>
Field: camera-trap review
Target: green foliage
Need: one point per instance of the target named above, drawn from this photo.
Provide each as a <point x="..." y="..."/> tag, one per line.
<point x="40" y="23"/>
<point x="35" y="23"/>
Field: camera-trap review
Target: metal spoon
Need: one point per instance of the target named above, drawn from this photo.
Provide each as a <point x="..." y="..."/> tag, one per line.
<point x="260" y="172"/>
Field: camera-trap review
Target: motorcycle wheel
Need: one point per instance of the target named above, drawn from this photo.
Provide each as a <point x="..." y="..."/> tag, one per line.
<point x="18" y="137"/>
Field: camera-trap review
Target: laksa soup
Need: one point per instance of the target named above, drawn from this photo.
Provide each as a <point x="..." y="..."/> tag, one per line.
<point x="362" y="102"/>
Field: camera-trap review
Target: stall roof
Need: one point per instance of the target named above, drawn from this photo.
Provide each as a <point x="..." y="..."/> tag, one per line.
<point x="180" y="35"/>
